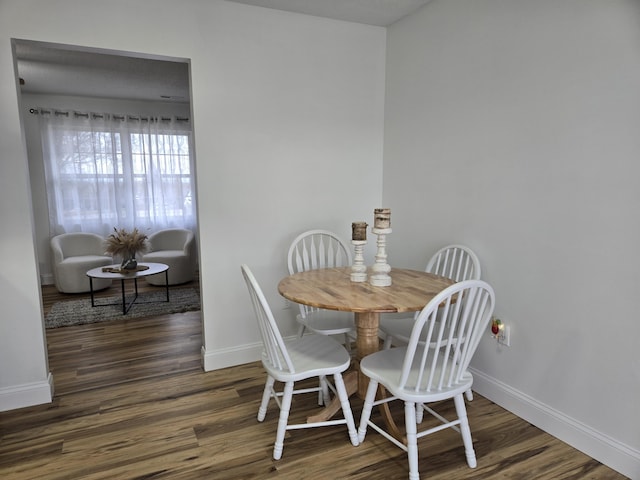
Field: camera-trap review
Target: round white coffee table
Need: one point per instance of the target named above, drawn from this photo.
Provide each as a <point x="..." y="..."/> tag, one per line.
<point x="113" y="272"/>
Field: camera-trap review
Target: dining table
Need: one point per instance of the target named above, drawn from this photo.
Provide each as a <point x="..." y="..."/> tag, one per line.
<point x="332" y="289"/>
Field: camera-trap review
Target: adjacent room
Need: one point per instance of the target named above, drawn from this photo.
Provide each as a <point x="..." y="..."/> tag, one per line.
<point x="112" y="173"/>
<point x="509" y="127"/>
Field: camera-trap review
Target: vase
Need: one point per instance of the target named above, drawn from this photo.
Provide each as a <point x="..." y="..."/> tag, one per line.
<point x="129" y="262"/>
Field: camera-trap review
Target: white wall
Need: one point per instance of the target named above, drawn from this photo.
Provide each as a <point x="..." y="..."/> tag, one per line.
<point x="288" y="120"/>
<point x="512" y="127"/>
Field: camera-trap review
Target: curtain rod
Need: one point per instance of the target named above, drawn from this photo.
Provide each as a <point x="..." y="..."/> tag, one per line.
<point x="142" y="118"/>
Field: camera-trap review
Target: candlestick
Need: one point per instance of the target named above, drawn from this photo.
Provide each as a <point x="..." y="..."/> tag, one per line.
<point x="382" y="218"/>
<point x="380" y="276"/>
<point x="358" y="269"/>
<point x="359" y="231"/>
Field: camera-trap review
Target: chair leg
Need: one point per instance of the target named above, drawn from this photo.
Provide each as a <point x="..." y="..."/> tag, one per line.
<point x="346" y="408"/>
<point x="285" y="406"/>
<point x="266" y="396"/>
<point x="323" y="394"/>
<point x="412" y="439"/>
<point x="461" y="410"/>
<point x="469" y="395"/>
<point x="347" y="343"/>
<point x="387" y="342"/>
<point x="366" y="409"/>
<point x="301" y="329"/>
<point x="419" y="413"/>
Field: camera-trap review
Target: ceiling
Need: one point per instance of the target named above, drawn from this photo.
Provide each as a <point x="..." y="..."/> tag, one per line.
<point x="371" y="12"/>
<point x="67" y="70"/>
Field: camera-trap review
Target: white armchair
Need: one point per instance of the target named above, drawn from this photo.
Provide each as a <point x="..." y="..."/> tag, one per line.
<point x="72" y="255"/>
<point x="174" y="247"/>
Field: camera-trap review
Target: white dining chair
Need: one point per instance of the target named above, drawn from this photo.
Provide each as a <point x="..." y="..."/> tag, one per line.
<point x="312" y="250"/>
<point x="432" y="367"/>
<point x="456" y="262"/>
<point x="292" y="360"/>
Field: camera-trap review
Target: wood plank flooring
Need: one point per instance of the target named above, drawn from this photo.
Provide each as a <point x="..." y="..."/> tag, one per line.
<point x="132" y="402"/>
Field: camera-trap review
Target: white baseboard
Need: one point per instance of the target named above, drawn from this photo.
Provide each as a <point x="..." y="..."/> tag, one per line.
<point x="26" y="395"/>
<point x="230" y="357"/>
<point x="603" y="448"/>
<point x="46" y="279"/>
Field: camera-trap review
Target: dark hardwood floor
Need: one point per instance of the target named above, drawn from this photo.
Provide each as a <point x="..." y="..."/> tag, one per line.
<point x="132" y="402"/>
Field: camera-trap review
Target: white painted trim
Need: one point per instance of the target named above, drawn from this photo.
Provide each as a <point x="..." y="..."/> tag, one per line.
<point x="230" y="357"/>
<point x="598" y="445"/>
<point x="26" y="395"/>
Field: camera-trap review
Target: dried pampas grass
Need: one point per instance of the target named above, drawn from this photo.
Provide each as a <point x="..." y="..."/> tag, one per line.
<point x="124" y="243"/>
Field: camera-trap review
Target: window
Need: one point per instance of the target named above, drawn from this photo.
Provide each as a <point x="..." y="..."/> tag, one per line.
<point x="105" y="171"/>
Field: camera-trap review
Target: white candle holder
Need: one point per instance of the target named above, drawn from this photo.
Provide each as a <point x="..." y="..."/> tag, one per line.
<point x="358" y="269"/>
<point x="380" y="276"/>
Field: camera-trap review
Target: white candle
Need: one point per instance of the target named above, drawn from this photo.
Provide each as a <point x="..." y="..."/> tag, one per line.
<point x="359" y="231"/>
<point x="382" y="218"/>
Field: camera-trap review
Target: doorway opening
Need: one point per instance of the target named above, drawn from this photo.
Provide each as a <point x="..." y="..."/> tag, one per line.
<point x="77" y="79"/>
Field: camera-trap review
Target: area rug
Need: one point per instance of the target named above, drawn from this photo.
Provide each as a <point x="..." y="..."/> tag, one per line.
<point x="78" y="312"/>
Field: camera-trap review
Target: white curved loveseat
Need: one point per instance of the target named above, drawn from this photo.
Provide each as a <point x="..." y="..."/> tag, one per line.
<point x="174" y="247"/>
<point x="72" y="255"/>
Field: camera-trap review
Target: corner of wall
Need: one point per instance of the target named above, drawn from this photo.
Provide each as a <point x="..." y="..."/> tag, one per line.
<point x="27" y="395"/>
<point x="230" y="357"/>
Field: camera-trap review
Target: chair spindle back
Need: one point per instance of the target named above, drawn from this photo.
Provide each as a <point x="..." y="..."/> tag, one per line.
<point x="456" y="262"/>
<point x="316" y="249"/>
<point x="446" y="335"/>
<point x="275" y="352"/>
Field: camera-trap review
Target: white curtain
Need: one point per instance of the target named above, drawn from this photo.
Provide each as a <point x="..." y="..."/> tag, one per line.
<point x="106" y="171"/>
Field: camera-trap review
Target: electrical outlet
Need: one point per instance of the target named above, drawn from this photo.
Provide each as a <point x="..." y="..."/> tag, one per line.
<point x="286" y="304"/>
<point x="504" y="336"/>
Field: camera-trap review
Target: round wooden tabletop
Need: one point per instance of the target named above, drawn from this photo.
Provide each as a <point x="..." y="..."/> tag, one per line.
<point x="332" y="289"/>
